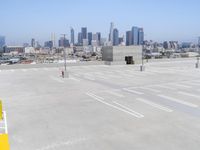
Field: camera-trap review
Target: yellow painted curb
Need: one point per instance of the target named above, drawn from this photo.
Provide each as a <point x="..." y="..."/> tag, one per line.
<point x="4" y="144"/>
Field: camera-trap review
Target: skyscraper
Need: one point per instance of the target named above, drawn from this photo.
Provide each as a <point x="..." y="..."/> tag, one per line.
<point x="80" y="39"/>
<point x="33" y="43"/>
<point x="135" y="35"/>
<point x="115" y="37"/>
<point x="53" y="39"/>
<point x="99" y="36"/>
<point x="72" y="36"/>
<point x="2" y="41"/>
<point x="111" y="32"/>
<point x="140" y="36"/>
<point x="128" y="38"/>
<point x="48" y="44"/>
<point x="90" y="38"/>
<point x="63" y="42"/>
<point x="84" y="32"/>
<point x="199" y="41"/>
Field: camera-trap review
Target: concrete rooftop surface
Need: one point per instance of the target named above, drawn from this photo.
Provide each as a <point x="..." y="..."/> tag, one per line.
<point x="103" y="107"/>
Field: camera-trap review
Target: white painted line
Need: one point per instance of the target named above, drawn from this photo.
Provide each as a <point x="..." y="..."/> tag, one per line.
<point x="24" y="70"/>
<point x="75" y="79"/>
<point x="127" y="108"/>
<point x="76" y="74"/>
<point x="178" y="101"/>
<point x="180" y="85"/>
<point x="154" y="105"/>
<point x="189" y="94"/>
<point x="35" y="69"/>
<point x="101" y="76"/>
<point x="57" y="79"/>
<point x="165" y="87"/>
<point x="12" y="70"/>
<point x="100" y="99"/>
<point x="5" y="122"/>
<point x="194" y="84"/>
<point x="133" y="91"/>
<point x="115" y="93"/>
<point x="46" y="69"/>
<point x="89" y="77"/>
<point x="150" y="89"/>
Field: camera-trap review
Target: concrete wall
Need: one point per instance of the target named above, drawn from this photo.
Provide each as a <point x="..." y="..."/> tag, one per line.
<point x="107" y="53"/>
<point x="26" y="66"/>
<point x="118" y="53"/>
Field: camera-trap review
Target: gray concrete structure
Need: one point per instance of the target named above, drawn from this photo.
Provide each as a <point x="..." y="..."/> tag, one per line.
<point x="123" y="54"/>
<point x="103" y="107"/>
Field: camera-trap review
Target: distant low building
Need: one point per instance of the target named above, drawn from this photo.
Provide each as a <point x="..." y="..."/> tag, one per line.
<point x="29" y="50"/>
<point x="17" y="49"/>
<point x="122" y="54"/>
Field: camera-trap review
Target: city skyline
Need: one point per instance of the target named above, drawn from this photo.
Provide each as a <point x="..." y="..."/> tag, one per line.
<point x="161" y="21"/>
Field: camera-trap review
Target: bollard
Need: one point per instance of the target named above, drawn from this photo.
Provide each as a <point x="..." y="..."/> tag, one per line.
<point x="142" y="68"/>
<point x="197" y="65"/>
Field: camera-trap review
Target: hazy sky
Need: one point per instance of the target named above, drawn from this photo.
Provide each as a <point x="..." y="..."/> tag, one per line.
<point x="20" y="20"/>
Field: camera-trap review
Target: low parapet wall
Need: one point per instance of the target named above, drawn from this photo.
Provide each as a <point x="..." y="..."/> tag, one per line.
<point x="51" y="65"/>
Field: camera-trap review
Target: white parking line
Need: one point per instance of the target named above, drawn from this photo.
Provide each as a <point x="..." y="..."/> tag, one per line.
<point x="5" y="122"/>
<point x="178" y="101"/>
<point x="154" y="105"/>
<point x="35" y="69"/>
<point x="100" y="99"/>
<point x="46" y="69"/>
<point x="180" y="85"/>
<point x="133" y="91"/>
<point x="150" y="89"/>
<point x="75" y="79"/>
<point x="165" y="87"/>
<point x="115" y="93"/>
<point x="101" y="76"/>
<point x="89" y="78"/>
<point x="24" y="70"/>
<point x="57" y="79"/>
<point x="193" y="84"/>
<point x="189" y="94"/>
<point x="127" y="108"/>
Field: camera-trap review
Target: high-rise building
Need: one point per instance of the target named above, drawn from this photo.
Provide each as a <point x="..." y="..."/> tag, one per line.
<point x="85" y="42"/>
<point x="2" y="41"/>
<point x="121" y="40"/>
<point x="63" y="42"/>
<point x="111" y="32"/>
<point x="115" y="37"/>
<point x="99" y="36"/>
<point x="129" y="38"/>
<point x="90" y="38"/>
<point x="33" y="43"/>
<point x="140" y="36"/>
<point x="53" y="39"/>
<point x="48" y="44"/>
<point x="166" y="45"/>
<point x="72" y="36"/>
<point x="135" y="35"/>
<point x="84" y="32"/>
<point x="199" y="41"/>
<point x="80" y="39"/>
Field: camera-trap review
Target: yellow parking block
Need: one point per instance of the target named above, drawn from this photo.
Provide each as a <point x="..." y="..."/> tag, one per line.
<point x="4" y="144"/>
<point x="1" y="111"/>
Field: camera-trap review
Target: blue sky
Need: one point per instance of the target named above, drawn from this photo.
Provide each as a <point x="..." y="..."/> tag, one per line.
<point x="162" y="20"/>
